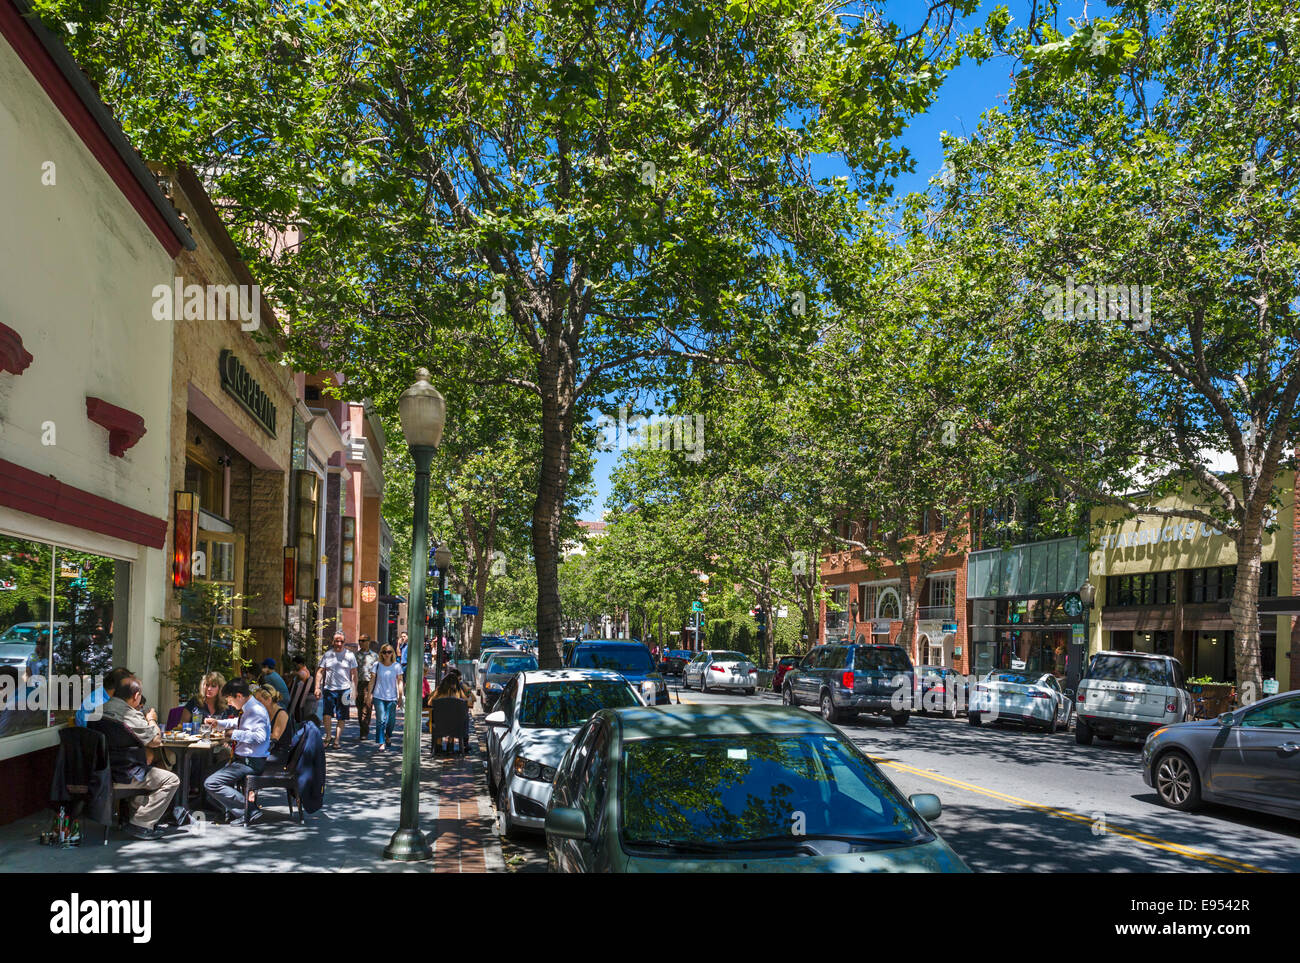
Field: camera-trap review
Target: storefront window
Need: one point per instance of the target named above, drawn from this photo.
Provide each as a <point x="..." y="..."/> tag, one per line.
<point x="60" y="614"/>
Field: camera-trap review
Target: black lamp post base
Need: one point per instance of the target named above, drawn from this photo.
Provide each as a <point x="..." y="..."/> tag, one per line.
<point x="408" y="846"/>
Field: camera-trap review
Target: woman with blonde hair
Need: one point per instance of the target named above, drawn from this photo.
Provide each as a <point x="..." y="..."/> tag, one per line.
<point x="386" y="694"/>
<point x="209" y="702"/>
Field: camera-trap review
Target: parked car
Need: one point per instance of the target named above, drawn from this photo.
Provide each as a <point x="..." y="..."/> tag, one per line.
<point x="674" y="661"/>
<point x="1130" y="694"/>
<point x="783" y="665"/>
<point x="536" y="718"/>
<point x="480" y="664"/>
<point x="845" y="680"/>
<point x="1249" y="757"/>
<point x="720" y="669"/>
<point x="632" y="660"/>
<point x="942" y="689"/>
<point x="1030" y="698"/>
<point x="499" y="669"/>
<point x="693" y="788"/>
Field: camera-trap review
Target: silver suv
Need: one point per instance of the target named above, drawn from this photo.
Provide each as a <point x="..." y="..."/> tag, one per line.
<point x="1130" y="694"/>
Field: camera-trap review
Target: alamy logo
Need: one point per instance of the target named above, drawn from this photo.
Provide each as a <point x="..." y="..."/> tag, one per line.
<point x="668" y="433"/>
<point x="55" y="693"/>
<point x="1130" y="303"/>
<point x="209" y="302"/>
<point x="77" y="917"/>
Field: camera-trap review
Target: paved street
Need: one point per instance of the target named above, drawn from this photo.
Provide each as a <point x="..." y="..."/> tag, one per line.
<point x="1017" y="801"/>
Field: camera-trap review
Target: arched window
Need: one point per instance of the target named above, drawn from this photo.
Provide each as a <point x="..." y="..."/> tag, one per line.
<point x="888" y="605"/>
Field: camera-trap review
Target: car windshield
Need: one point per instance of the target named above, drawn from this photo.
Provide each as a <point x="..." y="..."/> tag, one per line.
<point x="30" y="634"/>
<point x="568" y="704"/>
<point x="511" y="663"/>
<point x="1119" y="668"/>
<point x="1021" y="678"/>
<point x="746" y="788"/>
<point x="13" y="650"/>
<point x="729" y="657"/>
<point x="630" y="658"/>
<point x="881" y="658"/>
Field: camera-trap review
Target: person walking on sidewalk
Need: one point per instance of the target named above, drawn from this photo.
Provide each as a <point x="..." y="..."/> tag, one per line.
<point x="337" y="677"/>
<point x="366" y="660"/>
<point x="251" y="733"/>
<point x="387" y="693"/>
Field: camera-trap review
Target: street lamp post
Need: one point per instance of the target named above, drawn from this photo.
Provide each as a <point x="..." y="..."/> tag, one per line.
<point x="423" y="413"/>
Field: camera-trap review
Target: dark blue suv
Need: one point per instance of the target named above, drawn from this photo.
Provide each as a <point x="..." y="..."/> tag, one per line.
<point x="844" y="680"/>
<point x="631" y="659"/>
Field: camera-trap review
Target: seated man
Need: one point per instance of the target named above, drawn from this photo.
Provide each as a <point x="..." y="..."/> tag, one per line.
<point x="129" y="762"/>
<point x="102" y="695"/>
<point x="252" y="735"/>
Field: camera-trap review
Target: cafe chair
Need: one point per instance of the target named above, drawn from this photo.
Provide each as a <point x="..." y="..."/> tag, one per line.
<point x="106" y="731"/>
<point x="449" y="717"/>
<point x="279" y="777"/>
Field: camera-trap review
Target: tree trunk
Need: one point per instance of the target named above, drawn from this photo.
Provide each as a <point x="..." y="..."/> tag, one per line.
<point x="547" y="512"/>
<point x="1245" y="613"/>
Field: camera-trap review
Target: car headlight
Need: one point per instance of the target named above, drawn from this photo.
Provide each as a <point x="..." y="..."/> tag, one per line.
<point x="492" y="687"/>
<point x="531" y="769"/>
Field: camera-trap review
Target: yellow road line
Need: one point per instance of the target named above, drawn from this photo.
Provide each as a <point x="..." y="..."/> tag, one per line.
<point x="1138" y="837"/>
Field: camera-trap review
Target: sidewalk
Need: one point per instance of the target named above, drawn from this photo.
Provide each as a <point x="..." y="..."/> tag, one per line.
<point x="362" y="810"/>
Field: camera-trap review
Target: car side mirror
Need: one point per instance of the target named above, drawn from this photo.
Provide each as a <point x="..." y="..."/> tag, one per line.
<point x="926" y="804"/>
<point x="567" y="822"/>
<point x="1070" y="693"/>
<point x="1226" y="720"/>
<point x="497" y="718"/>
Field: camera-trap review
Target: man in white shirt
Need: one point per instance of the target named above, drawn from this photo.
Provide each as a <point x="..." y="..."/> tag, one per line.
<point x="251" y="733"/>
<point x="336" y="677"/>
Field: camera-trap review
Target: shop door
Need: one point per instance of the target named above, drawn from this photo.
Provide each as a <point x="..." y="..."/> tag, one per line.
<point x="223" y="553"/>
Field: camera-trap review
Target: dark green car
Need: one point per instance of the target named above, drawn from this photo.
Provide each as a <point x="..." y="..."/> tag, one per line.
<point x="718" y="788"/>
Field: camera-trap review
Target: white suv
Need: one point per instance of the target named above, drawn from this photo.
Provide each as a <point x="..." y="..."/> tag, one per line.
<point x="1130" y="694"/>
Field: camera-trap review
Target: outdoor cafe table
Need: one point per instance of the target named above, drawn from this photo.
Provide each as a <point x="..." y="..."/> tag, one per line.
<point x="186" y="749"/>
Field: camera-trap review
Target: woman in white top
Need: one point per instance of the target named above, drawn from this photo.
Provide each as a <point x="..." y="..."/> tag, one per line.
<point x="385" y="695"/>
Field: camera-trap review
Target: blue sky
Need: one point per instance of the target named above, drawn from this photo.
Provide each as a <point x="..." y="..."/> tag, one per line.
<point x="967" y="92"/>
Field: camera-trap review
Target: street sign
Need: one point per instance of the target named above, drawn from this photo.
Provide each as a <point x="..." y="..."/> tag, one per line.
<point x="469" y="610"/>
<point x="949" y="627"/>
<point x="697" y="606"/>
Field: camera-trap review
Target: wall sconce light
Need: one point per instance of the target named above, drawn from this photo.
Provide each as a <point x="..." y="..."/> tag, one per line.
<point x="290" y="573"/>
<point x="184" y="530"/>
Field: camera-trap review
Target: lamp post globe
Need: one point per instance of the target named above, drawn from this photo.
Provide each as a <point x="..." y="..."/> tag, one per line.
<point x="442" y="557"/>
<point x="423" y="412"/>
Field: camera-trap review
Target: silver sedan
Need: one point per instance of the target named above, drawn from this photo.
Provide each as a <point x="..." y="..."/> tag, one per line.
<point x="720" y="669"/>
<point x="1032" y="698"/>
<point x="1249" y="757"/>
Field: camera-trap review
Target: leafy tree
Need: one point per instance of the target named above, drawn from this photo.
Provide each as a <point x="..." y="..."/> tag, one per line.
<point x="573" y="199"/>
<point x="1127" y="225"/>
<point x="204" y="639"/>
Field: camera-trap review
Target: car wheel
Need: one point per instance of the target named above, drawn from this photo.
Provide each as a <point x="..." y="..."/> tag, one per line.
<point x="751" y="690"/>
<point x="900" y="719"/>
<point x="1082" y="733"/>
<point x="828" y="709"/>
<point x="1105" y="736"/>
<point x="1050" y="728"/>
<point x="704" y="683"/>
<point x="686" y="684"/>
<point x="492" y="782"/>
<point x="1177" y="782"/>
<point x="787" y="697"/>
<point x="974" y="719"/>
<point x="508" y="829"/>
<point x="951" y="711"/>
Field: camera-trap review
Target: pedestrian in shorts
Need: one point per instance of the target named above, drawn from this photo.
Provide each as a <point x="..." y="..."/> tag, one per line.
<point x="336" y="681"/>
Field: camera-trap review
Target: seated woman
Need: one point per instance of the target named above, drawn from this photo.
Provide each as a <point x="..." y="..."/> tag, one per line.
<point x="452" y="687"/>
<point x="208" y="702"/>
<point x="282" y="731"/>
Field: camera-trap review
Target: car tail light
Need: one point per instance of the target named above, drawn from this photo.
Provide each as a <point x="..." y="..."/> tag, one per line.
<point x="715" y="668"/>
<point x="1171" y="707"/>
<point x="937" y="687"/>
<point x="753" y="671"/>
<point x="847" y="680"/>
<point x="1041" y="695"/>
<point x="1080" y="697"/>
